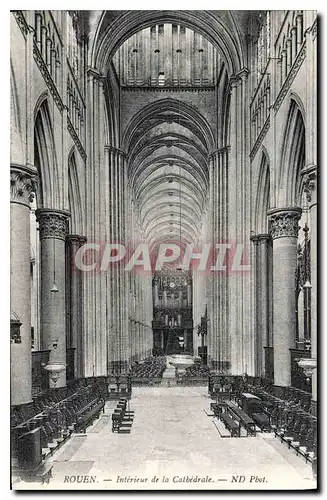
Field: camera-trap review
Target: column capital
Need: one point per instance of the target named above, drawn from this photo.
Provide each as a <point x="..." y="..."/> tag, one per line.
<point x="52" y="223"/>
<point x="219" y="152"/>
<point x="22" y="184"/>
<point x="77" y="239"/>
<point x="309" y="176"/>
<point x="117" y="151"/>
<point x="95" y="73"/>
<point x="238" y="77"/>
<point x="264" y="237"/>
<point x="256" y="238"/>
<point x="284" y="222"/>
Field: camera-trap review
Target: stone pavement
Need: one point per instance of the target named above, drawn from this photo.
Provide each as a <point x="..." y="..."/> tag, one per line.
<point x="175" y="445"/>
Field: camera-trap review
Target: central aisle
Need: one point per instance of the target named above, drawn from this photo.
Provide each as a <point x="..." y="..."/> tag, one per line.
<point x="172" y="437"/>
<point x="169" y="372"/>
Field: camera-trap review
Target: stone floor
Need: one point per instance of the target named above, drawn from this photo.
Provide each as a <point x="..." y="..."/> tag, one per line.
<point x="173" y="440"/>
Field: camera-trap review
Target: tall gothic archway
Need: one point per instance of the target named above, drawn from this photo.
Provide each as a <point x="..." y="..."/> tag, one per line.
<point x="48" y="192"/>
<point x="111" y="34"/>
<point x="292" y="158"/>
<point x="74" y="197"/>
<point x="263" y="196"/>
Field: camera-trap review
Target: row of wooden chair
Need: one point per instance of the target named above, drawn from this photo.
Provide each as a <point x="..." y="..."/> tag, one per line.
<point x="57" y="421"/>
<point x="267" y="391"/>
<point x="152" y="367"/>
<point x="43" y="401"/>
<point x="122" y="418"/>
<point x="299" y="430"/>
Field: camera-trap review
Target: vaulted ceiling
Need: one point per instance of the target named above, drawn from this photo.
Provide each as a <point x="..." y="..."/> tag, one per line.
<point x="167" y="139"/>
<point x="168" y="146"/>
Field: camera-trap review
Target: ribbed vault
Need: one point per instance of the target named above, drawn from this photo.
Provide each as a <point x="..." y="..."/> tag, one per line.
<point x="168" y="145"/>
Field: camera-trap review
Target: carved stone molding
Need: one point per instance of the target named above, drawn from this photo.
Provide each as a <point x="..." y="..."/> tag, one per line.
<point x="284" y="222"/>
<point x="290" y="77"/>
<point x="256" y="238"/>
<point x="118" y="152"/>
<point x="76" y="240"/>
<point x="260" y="138"/>
<point x="242" y="74"/>
<point x="314" y="29"/>
<point x="237" y="79"/>
<point x="52" y="223"/>
<point x="94" y="73"/>
<point x="224" y="151"/>
<point x="22" y="185"/>
<point x="76" y="139"/>
<point x="168" y="89"/>
<point x="21" y="21"/>
<point x="309" y="181"/>
<point x="47" y="77"/>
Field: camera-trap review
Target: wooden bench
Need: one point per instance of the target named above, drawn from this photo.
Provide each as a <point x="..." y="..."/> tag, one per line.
<point x="262" y="420"/>
<point x="88" y="414"/>
<point x="230" y="424"/>
<point x="243" y="419"/>
<point x="217" y="408"/>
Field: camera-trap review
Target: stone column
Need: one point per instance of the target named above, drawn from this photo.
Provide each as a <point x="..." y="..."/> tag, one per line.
<point x="53" y="227"/>
<point x="257" y="284"/>
<point x="75" y="303"/>
<point x="219" y="342"/>
<point x="21" y="189"/>
<point x="118" y="339"/>
<point x="310" y="187"/>
<point x="284" y="232"/>
<point x="240" y="303"/>
<point x="262" y="299"/>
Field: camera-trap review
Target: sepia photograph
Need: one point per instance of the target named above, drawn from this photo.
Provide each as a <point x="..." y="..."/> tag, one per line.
<point x="163" y="250"/>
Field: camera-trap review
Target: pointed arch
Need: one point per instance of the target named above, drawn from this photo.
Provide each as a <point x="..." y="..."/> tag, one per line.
<point x="16" y="142"/>
<point x="74" y="196"/>
<point x="226" y="113"/>
<point x="292" y="157"/>
<point x="41" y="99"/>
<point x="198" y="123"/>
<point x="112" y="118"/>
<point x="263" y="195"/>
<point x="45" y="159"/>
<point x="15" y="108"/>
<point x="110" y="35"/>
